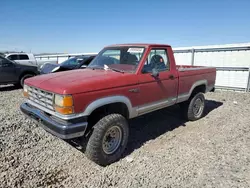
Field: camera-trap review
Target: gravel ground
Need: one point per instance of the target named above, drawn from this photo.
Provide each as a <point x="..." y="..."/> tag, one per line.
<point x="163" y="151"/>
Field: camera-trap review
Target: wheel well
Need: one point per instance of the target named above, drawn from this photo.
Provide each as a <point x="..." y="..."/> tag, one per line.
<point x="213" y="89"/>
<point x="26" y="72"/>
<point x="97" y="114"/>
<point x="198" y="89"/>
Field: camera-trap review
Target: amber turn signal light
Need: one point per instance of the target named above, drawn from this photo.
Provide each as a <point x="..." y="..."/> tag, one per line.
<point x="64" y="110"/>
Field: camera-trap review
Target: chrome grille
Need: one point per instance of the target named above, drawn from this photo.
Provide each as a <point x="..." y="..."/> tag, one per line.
<point x="41" y="97"/>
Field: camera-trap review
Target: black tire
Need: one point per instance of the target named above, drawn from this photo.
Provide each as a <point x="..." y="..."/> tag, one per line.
<point x="189" y="109"/>
<point x="25" y="77"/>
<point x="95" y="149"/>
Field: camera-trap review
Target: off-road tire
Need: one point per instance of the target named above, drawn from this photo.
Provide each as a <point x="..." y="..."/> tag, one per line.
<point x="95" y="150"/>
<point x="187" y="107"/>
<point x="24" y="77"/>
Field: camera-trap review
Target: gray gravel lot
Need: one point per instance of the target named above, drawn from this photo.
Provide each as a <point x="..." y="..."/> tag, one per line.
<point x="163" y="151"/>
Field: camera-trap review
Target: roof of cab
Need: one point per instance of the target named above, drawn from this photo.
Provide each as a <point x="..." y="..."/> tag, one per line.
<point x="140" y="44"/>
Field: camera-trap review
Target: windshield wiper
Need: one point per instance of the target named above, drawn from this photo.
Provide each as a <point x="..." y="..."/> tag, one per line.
<point x="106" y="67"/>
<point x="117" y="70"/>
<point x="93" y="68"/>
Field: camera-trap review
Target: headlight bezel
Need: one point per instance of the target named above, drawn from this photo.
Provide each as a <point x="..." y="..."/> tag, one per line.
<point x="58" y="99"/>
<point x="63" y="104"/>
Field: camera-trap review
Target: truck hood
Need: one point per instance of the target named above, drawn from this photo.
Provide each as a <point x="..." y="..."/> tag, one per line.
<point x="81" y="80"/>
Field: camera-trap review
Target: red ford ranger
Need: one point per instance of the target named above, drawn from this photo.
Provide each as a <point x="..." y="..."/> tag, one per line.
<point x="122" y="82"/>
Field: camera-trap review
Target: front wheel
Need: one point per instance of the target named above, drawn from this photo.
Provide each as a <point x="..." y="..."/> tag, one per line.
<point x="108" y="139"/>
<point x="193" y="109"/>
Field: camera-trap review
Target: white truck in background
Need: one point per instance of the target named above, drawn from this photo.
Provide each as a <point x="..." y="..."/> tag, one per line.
<point x="27" y="59"/>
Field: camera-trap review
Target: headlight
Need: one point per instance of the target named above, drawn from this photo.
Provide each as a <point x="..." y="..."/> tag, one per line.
<point x="63" y="104"/>
<point x="25" y="90"/>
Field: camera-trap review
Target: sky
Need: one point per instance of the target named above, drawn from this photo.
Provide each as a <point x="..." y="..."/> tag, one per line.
<point x="77" y="26"/>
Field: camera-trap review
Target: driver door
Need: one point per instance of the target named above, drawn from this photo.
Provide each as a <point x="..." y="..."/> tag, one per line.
<point x="7" y="71"/>
<point x="158" y="84"/>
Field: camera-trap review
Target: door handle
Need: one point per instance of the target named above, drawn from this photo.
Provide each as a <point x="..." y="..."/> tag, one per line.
<point x="171" y="77"/>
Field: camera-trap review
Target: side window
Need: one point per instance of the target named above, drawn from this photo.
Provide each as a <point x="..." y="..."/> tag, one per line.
<point x="157" y="59"/>
<point x="13" y="57"/>
<point x="23" y="57"/>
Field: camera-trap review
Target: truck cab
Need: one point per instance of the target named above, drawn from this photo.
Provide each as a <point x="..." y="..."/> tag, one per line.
<point x="122" y="82"/>
<point x="22" y="58"/>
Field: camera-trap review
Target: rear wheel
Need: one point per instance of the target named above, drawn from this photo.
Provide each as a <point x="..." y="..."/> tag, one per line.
<point x="25" y="77"/>
<point x="108" y="139"/>
<point x="193" y="109"/>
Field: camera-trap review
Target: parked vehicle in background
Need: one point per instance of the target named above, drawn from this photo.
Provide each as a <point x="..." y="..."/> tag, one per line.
<point x="14" y="73"/>
<point x="78" y="62"/>
<point x="122" y="82"/>
<point x="27" y="59"/>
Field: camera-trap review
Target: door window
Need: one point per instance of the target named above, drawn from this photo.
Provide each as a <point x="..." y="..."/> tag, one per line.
<point x="23" y="57"/>
<point x="13" y="57"/>
<point x="158" y="60"/>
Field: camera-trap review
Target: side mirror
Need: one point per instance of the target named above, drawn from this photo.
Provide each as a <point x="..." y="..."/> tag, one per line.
<point x="155" y="73"/>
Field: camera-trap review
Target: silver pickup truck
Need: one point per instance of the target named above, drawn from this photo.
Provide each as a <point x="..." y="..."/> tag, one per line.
<point x="27" y="59"/>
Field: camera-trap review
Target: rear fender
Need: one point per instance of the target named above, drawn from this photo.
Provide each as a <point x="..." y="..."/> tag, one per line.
<point x="185" y="96"/>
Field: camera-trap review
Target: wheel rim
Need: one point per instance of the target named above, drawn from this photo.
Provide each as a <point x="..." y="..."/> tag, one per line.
<point x="112" y="140"/>
<point x="198" y="107"/>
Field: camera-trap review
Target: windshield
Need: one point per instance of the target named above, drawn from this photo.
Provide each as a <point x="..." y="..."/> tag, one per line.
<point x="75" y="61"/>
<point x="2" y="59"/>
<point x="121" y="58"/>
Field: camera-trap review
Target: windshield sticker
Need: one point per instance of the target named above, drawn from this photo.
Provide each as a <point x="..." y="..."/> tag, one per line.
<point x="135" y="50"/>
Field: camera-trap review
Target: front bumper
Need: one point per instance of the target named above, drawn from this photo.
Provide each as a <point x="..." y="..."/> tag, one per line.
<point x="61" y="128"/>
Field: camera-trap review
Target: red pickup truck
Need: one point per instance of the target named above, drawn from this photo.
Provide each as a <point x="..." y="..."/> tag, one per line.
<point x="122" y="82"/>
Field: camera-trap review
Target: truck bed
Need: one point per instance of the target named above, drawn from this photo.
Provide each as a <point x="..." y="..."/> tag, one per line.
<point x="190" y="76"/>
<point x="182" y="68"/>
